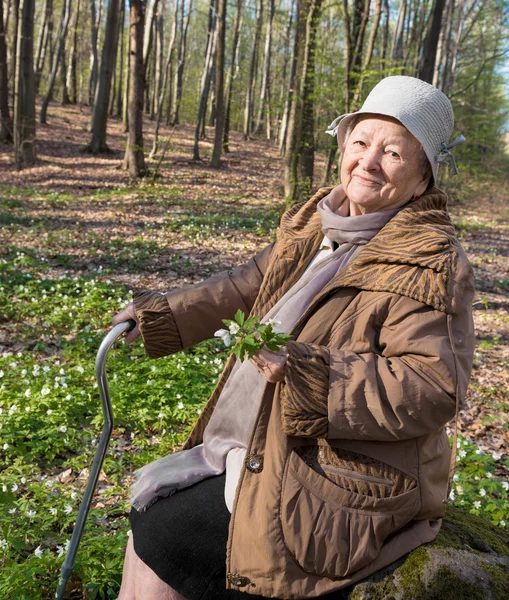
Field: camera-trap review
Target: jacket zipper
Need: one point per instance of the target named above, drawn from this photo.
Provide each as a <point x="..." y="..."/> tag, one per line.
<point x="352" y="474"/>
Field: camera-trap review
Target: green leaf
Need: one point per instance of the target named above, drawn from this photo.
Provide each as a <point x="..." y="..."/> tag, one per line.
<point x="240" y="317"/>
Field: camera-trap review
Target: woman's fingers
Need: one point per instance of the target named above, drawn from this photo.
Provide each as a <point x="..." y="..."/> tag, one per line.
<point x="125" y="315"/>
<point x="272" y="365"/>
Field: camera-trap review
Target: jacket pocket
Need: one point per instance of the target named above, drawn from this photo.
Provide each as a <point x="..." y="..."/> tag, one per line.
<point x="332" y="531"/>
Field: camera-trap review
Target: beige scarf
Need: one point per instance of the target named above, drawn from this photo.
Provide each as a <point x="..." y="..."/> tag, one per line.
<point x="233" y="419"/>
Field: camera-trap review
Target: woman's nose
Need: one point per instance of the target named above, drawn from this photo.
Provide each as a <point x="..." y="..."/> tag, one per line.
<point x="371" y="159"/>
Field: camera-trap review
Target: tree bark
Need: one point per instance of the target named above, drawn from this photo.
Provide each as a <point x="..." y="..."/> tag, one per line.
<point x="24" y="88"/>
<point x="232" y="73"/>
<point x="94" y="53"/>
<point x="218" y="139"/>
<point x="102" y="96"/>
<point x="181" y="61"/>
<point x="369" y="51"/>
<point x="251" y="86"/>
<point x="397" y="40"/>
<point x="134" y="156"/>
<point x="61" y="35"/>
<point x="5" y="117"/>
<point x="206" y="79"/>
<point x="431" y="41"/>
<point x="265" y="89"/>
<point x="282" y="119"/>
<point x="164" y="84"/>
<point x="299" y="157"/>
<point x="120" y="87"/>
<point x="291" y="85"/>
<point x="72" y="83"/>
<point x="43" y="40"/>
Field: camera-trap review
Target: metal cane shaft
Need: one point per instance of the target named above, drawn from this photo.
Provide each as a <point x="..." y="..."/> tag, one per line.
<point x="102" y="382"/>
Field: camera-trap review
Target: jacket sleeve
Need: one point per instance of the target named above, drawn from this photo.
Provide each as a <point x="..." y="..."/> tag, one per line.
<point x="181" y="318"/>
<point x="405" y="387"/>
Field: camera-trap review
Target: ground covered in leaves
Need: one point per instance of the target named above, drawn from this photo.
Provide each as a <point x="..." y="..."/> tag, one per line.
<point x="76" y="236"/>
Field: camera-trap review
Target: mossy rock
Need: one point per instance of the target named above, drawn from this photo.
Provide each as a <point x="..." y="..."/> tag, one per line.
<point x="469" y="560"/>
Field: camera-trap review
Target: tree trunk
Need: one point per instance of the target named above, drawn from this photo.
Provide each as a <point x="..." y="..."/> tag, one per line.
<point x="385" y="36"/>
<point x="159" y="32"/>
<point x="397" y="40"/>
<point x="12" y="45"/>
<point x="448" y="79"/>
<point x="43" y="40"/>
<point x="291" y="90"/>
<point x="299" y="157"/>
<point x="251" y="86"/>
<point x="181" y="61"/>
<point x="164" y="84"/>
<point x="369" y="50"/>
<point x="24" y="87"/>
<point x="134" y="156"/>
<point x="284" y="83"/>
<point x="94" y="53"/>
<point x="205" y="82"/>
<point x="63" y="80"/>
<point x="120" y="87"/>
<point x="72" y="84"/>
<point x="219" y="92"/>
<point x="232" y="73"/>
<point x="431" y="41"/>
<point x="265" y="89"/>
<point x="61" y="35"/>
<point x="102" y="96"/>
<point x="5" y="117"/>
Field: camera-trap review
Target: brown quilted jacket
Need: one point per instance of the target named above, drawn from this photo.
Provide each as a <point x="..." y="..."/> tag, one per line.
<point x="347" y="468"/>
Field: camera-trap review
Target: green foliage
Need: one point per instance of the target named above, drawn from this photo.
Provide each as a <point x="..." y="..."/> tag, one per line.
<point x="251" y="336"/>
<point x="476" y="486"/>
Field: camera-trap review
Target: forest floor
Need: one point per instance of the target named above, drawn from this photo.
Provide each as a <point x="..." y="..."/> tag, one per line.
<point x="77" y="217"/>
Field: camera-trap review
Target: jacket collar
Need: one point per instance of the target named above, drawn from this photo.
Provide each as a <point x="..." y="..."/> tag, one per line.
<point x="413" y="255"/>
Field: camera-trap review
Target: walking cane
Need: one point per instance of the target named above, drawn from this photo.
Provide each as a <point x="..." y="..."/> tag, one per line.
<point x="102" y="382"/>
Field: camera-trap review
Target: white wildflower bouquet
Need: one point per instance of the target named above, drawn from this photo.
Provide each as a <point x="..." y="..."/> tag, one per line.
<point x="249" y="336"/>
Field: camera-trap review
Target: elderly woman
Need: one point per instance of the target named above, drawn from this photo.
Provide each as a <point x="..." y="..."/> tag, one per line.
<point x="315" y="466"/>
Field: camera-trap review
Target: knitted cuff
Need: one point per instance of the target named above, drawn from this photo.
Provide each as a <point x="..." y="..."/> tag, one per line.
<point x="305" y="391"/>
<point x="157" y="324"/>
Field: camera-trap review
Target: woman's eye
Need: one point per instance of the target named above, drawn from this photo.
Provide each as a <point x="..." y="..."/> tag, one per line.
<point x="360" y="143"/>
<point x="393" y="154"/>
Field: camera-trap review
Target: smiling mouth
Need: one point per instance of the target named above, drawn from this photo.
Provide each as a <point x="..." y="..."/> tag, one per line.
<point x="367" y="181"/>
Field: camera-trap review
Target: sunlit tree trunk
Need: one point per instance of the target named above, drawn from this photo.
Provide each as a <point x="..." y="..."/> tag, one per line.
<point x="57" y="58"/>
<point x="5" y="117"/>
<point x="285" y="83"/>
<point x="135" y="158"/>
<point x="120" y="87"/>
<point x="299" y="157"/>
<point x="24" y="88"/>
<point x="72" y="83"/>
<point x="181" y="61"/>
<point x="397" y="40"/>
<point x="205" y="81"/>
<point x="431" y="41"/>
<point x="265" y="89"/>
<point x="102" y="95"/>
<point x="251" y="86"/>
<point x="94" y="52"/>
<point x="232" y="73"/>
<point x="43" y="41"/>
<point x="219" y="89"/>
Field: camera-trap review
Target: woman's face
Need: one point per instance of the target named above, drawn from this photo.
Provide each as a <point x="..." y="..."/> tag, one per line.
<point x="381" y="166"/>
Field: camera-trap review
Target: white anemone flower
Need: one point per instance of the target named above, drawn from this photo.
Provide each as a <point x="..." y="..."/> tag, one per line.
<point x="234" y="328"/>
<point x="180" y="405"/>
<point x="224" y="334"/>
<point x="60" y="550"/>
<point x="31" y="513"/>
<point x="505" y="485"/>
<point x="68" y="509"/>
<point x="14" y="487"/>
<point x="482" y="492"/>
<point x="3" y="544"/>
<point x="63" y="428"/>
<point x="53" y="511"/>
<point x="477" y="504"/>
<point x="38" y="551"/>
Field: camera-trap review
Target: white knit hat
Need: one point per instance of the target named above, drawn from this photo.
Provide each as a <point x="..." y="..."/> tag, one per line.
<point x="421" y="107"/>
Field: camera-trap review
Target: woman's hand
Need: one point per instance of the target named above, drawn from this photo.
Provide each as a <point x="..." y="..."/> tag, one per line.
<point x="125" y="315"/>
<point x="272" y="365"/>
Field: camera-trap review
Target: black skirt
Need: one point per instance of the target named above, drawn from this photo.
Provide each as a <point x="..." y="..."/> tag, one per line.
<point x="183" y="539"/>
